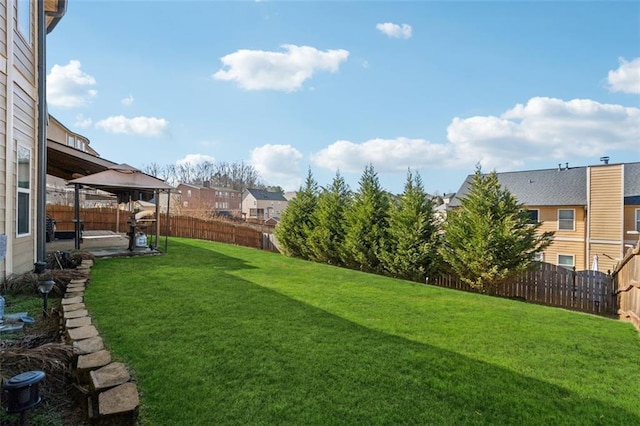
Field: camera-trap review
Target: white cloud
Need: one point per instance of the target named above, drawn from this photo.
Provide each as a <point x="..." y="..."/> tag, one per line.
<point x="286" y="71"/>
<point x="387" y="155"/>
<point x="82" y="122"/>
<point x="193" y="159"/>
<point x="142" y="126"/>
<point x="128" y="100"/>
<point x="68" y="86"/>
<point x="626" y="78"/>
<point x="545" y="128"/>
<point x="541" y="129"/>
<point x="278" y="165"/>
<point x="394" y="30"/>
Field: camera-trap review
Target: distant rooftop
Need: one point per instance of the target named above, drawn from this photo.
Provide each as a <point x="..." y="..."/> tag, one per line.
<point x="561" y="186"/>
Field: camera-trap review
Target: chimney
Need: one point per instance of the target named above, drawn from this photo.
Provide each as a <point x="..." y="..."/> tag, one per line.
<point x="206" y="184"/>
<point x="605" y="160"/>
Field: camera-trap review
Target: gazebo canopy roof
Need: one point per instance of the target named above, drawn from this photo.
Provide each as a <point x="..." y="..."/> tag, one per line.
<point x="122" y="179"/>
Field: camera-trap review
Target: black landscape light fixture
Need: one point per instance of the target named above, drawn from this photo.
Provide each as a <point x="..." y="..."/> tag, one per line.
<point x="23" y="393"/>
<point x="45" y="288"/>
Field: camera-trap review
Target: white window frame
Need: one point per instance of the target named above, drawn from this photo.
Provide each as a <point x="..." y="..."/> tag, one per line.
<point x="573" y="221"/>
<point x="22" y="191"/>
<point x="573" y="260"/>
<point x="637" y="220"/>
<point x="24" y="18"/>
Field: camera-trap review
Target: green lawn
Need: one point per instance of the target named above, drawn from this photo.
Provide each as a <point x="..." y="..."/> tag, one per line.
<point x="220" y="334"/>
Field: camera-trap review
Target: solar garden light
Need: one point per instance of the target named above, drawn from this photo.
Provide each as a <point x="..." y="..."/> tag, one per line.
<point x="45" y="288"/>
<point x="23" y="393"/>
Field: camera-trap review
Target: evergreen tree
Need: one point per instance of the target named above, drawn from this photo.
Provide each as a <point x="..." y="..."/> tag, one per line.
<point x="411" y="251"/>
<point x="326" y="239"/>
<point x="367" y="224"/>
<point x="489" y="239"/>
<point x="296" y="223"/>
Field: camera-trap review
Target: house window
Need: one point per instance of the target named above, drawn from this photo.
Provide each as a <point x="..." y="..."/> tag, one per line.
<point x="24" y="19"/>
<point x="24" y="191"/>
<point x="534" y="216"/>
<point x="565" y="260"/>
<point x="253" y="212"/>
<point x="188" y="193"/>
<point x="566" y="220"/>
<point x="637" y="220"/>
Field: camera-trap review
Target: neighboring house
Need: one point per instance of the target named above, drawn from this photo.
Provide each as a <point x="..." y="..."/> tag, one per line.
<point x="23" y="29"/>
<point x="440" y="205"/>
<point x="593" y="210"/>
<point x="69" y="156"/>
<point x="211" y="199"/>
<point x="263" y="205"/>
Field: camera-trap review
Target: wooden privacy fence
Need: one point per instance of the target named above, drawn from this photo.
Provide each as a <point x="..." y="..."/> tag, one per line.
<point x="547" y="284"/>
<point x="626" y="278"/>
<point x="248" y="235"/>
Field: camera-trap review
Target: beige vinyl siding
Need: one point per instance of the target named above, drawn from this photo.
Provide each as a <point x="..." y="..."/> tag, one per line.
<point x="56" y="133"/>
<point x="565" y="242"/>
<point x="549" y="218"/>
<point x="25" y="134"/>
<point x="608" y="255"/>
<point x="3" y="28"/>
<point x="630" y="223"/>
<point x="24" y="54"/>
<point x="605" y="202"/>
<point x="4" y="229"/>
<point x="574" y="248"/>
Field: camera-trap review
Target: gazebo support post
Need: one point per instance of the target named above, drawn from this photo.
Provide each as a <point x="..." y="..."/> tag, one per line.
<point x="166" y="233"/>
<point x="76" y="208"/>
<point x="157" y="197"/>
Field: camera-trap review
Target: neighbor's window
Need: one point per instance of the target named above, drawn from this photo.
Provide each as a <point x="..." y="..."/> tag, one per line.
<point x="637" y="220"/>
<point x="24" y="190"/>
<point x="565" y="260"/>
<point x="533" y="216"/>
<point x="24" y="18"/>
<point x="566" y="220"/>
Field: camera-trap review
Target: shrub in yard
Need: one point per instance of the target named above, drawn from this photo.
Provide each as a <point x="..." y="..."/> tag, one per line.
<point x="490" y="238"/>
<point x="296" y="223"/>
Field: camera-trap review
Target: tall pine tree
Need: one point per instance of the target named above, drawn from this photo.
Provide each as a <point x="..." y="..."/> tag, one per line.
<point x="410" y="251"/>
<point x="367" y="224"/>
<point x="327" y="238"/>
<point x="490" y="239"/>
<point x="296" y="223"/>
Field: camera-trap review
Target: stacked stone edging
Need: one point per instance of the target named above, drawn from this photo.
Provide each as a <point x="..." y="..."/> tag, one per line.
<point x="113" y="397"/>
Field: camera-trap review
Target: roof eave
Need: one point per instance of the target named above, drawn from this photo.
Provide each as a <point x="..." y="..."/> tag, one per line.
<point x="54" y="11"/>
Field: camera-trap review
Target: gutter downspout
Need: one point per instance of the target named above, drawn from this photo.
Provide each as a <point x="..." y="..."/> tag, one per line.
<point x="41" y="178"/>
<point x="43" y="116"/>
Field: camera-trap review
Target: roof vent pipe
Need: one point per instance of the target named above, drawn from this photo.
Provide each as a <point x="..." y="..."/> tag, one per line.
<point x="605" y="160"/>
<point x="559" y="166"/>
<point x="566" y="166"/>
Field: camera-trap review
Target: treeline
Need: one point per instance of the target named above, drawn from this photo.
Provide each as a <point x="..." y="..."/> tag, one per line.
<point x="222" y="174"/>
<point x="487" y="240"/>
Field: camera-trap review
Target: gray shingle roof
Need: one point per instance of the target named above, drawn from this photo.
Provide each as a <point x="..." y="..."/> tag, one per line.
<point x="261" y="194"/>
<point x="554" y="187"/>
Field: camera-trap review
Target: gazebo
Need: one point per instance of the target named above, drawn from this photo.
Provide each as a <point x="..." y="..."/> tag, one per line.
<point x="128" y="184"/>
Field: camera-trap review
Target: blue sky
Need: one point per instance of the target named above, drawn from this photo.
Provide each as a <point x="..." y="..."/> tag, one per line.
<point x="286" y="86"/>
